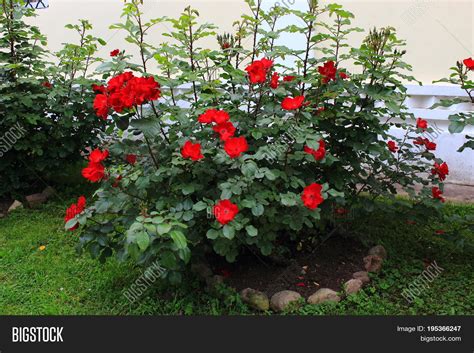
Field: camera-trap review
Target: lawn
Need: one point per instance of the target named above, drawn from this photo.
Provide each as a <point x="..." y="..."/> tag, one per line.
<point x="56" y="280"/>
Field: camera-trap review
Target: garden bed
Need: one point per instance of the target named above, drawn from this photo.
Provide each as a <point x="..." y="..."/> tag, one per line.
<point x="329" y="266"/>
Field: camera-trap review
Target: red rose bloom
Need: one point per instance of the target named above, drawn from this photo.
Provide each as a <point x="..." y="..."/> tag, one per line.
<point x="440" y="170"/>
<point x="97" y="156"/>
<point x="392" y="146"/>
<point x="74" y="210"/>
<point x="328" y="71"/>
<point x="192" y="151"/>
<point x="47" y="84"/>
<point x="114" y="52"/>
<point x="235" y="146"/>
<point x="94" y="172"/>
<point x="258" y="70"/>
<point x="225" y="130"/>
<point x="221" y="116"/>
<point x="436" y="192"/>
<point x="318" y="154"/>
<point x="207" y="117"/>
<point x="214" y="116"/>
<point x="292" y="103"/>
<point x="225" y="211"/>
<point x="288" y="78"/>
<point x="125" y="91"/>
<point x="101" y="106"/>
<point x="99" y="88"/>
<point x="421" y="124"/>
<point x="311" y="196"/>
<point x="274" y="82"/>
<point x="343" y="75"/>
<point x="131" y="158"/>
<point x="430" y="146"/>
<point x="469" y="63"/>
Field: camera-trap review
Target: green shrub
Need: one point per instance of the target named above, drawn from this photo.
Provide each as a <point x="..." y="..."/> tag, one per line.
<point x="257" y="152"/>
<point x="46" y="115"/>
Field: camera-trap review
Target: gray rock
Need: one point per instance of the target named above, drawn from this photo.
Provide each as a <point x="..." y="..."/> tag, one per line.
<point x="352" y="286"/>
<point x="281" y="300"/>
<point x="362" y="275"/>
<point x="378" y="250"/>
<point x="48" y="192"/>
<point x="255" y="299"/>
<point x="15" y="205"/>
<point x="2" y="215"/>
<point x="373" y="263"/>
<point x="324" y="295"/>
<point x="36" y="199"/>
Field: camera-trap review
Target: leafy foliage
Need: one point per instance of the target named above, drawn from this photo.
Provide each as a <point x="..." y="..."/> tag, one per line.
<point x="161" y="208"/>
<point x="48" y="106"/>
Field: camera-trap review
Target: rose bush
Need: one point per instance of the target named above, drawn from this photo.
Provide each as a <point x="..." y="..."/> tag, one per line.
<point x="48" y="105"/>
<point x="244" y="151"/>
<point x="461" y="75"/>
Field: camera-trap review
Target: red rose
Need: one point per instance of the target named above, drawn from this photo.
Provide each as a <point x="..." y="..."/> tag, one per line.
<point x="469" y="63"/>
<point x="214" y="116"/>
<point x="328" y="71"/>
<point x="421" y="124"/>
<point x="258" y="70"/>
<point x="98" y="156"/>
<point x="274" y="82"/>
<point x="440" y="170"/>
<point x="235" y="146"/>
<point x="192" y="151"/>
<point x="125" y="91"/>
<point x="74" y="210"/>
<point x="47" y="84"/>
<point x="430" y="146"/>
<point x="207" y="117"/>
<point x="221" y="116"/>
<point x="392" y="146"/>
<point x="99" y="89"/>
<point x="343" y="75"/>
<point x="225" y="211"/>
<point x="288" y="78"/>
<point x="131" y="158"/>
<point x="292" y="103"/>
<point x="225" y="130"/>
<point x="94" y="172"/>
<point x="318" y="154"/>
<point x="114" y="52"/>
<point x="311" y="196"/>
<point x="440" y="232"/>
<point x="436" y="192"/>
<point x="101" y="106"/>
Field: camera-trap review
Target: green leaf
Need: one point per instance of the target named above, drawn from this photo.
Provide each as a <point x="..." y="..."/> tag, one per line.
<point x="179" y="239"/>
<point x="258" y="210"/>
<point x="143" y="240"/>
<point x="163" y="228"/>
<point x="212" y="234"/>
<point x="251" y="231"/>
<point x="199" y="206"/>
<point x="229" y="231"/>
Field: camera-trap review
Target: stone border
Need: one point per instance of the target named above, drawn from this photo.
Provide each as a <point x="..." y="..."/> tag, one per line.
<point x="281" y="300"/>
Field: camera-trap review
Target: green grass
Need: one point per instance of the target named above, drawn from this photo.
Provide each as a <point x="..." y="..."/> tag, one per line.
<point x="57" y="281"/>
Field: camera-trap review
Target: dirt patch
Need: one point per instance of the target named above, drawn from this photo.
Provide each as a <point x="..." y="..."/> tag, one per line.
<point x="328" y="267"/>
